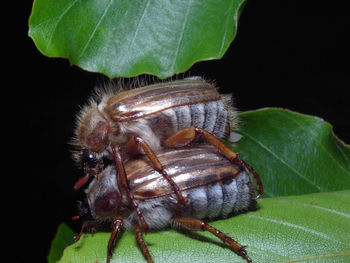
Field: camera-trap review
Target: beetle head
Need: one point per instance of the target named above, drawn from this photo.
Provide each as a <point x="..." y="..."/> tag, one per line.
<point x="91" y="138"/>
<point x="92" y="130"/>
<point x="107" y="204"/>
<point x="103" y="195"/>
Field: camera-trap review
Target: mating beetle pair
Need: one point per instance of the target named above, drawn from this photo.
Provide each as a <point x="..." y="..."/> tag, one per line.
<point x="176" y="182"/>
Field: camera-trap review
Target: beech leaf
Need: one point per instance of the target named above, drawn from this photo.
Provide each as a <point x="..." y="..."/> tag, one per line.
<point x="312" y="228"/>
<point x="128" y="38"/>
<point x="293" y="153"/>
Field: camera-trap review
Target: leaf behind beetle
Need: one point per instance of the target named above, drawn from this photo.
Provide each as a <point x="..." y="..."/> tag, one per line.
<point x="293" y="153"/>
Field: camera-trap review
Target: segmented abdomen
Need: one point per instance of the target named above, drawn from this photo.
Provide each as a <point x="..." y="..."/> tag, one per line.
<point x="230" y="196"/>
<point x="215" y="186"/>
<point x="210" y="116"/>
<point x="220" y="199"/>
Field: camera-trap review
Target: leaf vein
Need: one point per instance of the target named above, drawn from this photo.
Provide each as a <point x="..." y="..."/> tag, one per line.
<point x="328" y="210"/>
<point x="95" y="29"/>
<point x="281" y="160"/>
<point x="182" y="35"/>
<point x="131" y="43"/>
<point x="306" y="229"/>
<point x="58" y="21"/>
<point x="314" y="136"/>
<point x="342" y="152"/>
<point x="333" y="211"/>
<point x="228" y="17"/>
<point x="340" y="254"/>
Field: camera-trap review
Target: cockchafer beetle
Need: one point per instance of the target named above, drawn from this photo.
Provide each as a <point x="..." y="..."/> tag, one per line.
<point x="216" y="187"/>
<point x="121" y="124"/>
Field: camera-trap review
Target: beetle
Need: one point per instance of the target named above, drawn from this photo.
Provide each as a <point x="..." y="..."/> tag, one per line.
<point x="120" y="124"/>
<point x="216" y="186"/>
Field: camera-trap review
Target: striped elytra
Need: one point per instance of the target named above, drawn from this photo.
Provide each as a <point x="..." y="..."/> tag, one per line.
<point x="124" y="124"/>
<point x="153" y="113"/>
<point x="214" y="186"/>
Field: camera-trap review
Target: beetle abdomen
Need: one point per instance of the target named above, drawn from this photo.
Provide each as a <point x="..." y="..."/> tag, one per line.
<point x="210" y="116"/>
<point x="220" y="199"/>
<point x="233" y="195"/>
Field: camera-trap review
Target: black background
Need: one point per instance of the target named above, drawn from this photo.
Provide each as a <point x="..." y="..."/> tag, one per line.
<point x="290" y="54"/>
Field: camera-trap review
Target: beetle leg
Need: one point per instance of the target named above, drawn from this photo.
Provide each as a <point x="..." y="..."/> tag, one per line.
<point x="88" y="173"/>
<point x="187" y="135"/>
<point x="83" y="226"/>
<point x="117" y="225"/>
<point x="199" y="225"/>
<point x="88" y="226"/>
<point x="134" y="143"/>
<point x="142" y="244"/>
<point x="81" y="181"/>
<point x="124" y="183"/>
<point x="255" y="174"/>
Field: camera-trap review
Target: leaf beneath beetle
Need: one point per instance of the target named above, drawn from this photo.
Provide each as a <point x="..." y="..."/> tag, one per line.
<point x="293" y="153"/>
<point x="128" y="38"/>
<point x="63" y="238"/>
<point x="314" y="227"/>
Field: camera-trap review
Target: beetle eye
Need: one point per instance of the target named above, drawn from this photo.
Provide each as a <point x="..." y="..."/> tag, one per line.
<point x="88" y="158"/>
<point x="107" y="204"/>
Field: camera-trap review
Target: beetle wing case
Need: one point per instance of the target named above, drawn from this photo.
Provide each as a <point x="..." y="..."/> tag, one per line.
<point x="215" y="186"/>
<point x="189" y="167"/>
<point x="144" y="101"/>
<point x="153" y="112"/>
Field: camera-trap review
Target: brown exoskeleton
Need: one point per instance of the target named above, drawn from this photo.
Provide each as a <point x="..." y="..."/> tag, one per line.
<point x="146" y="119"/>
<point x="216" y="186"/>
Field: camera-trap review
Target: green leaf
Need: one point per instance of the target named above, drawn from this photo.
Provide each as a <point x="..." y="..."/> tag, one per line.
<point x="293" y="153"/>
<point x="312" y="228"/>
<point x="63" y="238"/>
<point x="127" y="38"/>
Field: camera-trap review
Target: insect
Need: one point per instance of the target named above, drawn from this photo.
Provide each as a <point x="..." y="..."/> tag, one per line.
<point x="216" y="187"/>
<point x="120" y="125"/>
